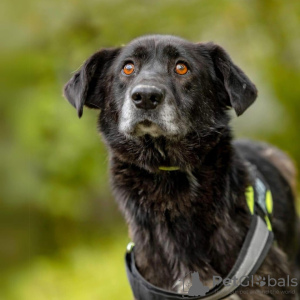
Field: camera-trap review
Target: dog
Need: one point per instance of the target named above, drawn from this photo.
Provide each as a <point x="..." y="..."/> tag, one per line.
<point x="176" y="173"/>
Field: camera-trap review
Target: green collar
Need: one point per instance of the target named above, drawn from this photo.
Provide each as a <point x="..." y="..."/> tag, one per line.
<point x="166" y="168"/>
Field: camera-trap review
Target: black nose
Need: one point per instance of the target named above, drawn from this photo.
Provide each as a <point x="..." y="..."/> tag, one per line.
<point x="147" y="97"/>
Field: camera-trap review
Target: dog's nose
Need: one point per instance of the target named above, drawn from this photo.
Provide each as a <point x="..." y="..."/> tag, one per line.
<point x="147" y="97"/>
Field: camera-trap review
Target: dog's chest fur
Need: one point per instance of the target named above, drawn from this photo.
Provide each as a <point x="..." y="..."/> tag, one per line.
<point x="180" y="221"/>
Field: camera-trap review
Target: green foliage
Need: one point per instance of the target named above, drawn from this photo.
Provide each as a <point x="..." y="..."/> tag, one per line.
<point x="55" y="196"/>
<point x="89" y="272"/>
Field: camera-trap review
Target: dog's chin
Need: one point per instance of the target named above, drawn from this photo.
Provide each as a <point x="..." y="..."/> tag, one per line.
<point x="148" y="128"/>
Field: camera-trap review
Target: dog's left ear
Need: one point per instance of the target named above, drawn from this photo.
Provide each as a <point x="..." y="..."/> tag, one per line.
<point x="86" y="86"/>
<point x="241" y="91"/>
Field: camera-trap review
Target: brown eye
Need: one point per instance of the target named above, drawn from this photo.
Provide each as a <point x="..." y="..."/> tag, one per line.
<point x="128" y="69"/>
<point x="181" y="69"/>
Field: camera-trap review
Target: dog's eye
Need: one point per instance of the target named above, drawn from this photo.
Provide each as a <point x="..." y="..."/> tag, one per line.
<point x="181" y="69"/>
<point x="128" y="69"/>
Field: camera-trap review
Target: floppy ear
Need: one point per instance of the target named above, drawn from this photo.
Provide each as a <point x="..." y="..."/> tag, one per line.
<point x="85" y="87"/>
<point x="241" y="91"/>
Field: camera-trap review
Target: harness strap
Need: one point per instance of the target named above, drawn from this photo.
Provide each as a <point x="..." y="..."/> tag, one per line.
<point x="255" y="248"/>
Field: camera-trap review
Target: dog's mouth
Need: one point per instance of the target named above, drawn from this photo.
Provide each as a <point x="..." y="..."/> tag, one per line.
<point x="146" y="123"/>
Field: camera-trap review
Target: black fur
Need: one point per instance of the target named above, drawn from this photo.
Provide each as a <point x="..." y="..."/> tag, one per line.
<point x="196" y="218"/>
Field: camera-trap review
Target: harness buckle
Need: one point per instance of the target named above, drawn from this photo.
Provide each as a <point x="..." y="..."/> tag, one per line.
<point x="129" y="247"/>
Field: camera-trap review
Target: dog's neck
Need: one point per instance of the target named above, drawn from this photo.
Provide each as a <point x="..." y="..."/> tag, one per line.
<point x="185" y="221"/>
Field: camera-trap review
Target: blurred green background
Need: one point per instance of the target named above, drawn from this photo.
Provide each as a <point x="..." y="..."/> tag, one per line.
<point x="61" y="235"/>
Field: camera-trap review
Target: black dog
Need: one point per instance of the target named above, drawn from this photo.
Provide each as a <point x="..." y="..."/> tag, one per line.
<point x="177" y="176"/>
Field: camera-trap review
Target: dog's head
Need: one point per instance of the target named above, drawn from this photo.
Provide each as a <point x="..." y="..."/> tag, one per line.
<point x="161" y="87"/>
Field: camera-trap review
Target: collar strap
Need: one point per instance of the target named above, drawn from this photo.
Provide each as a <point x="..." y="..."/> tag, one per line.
<point x="166" y="168"/>
<point x="254" y="250"/>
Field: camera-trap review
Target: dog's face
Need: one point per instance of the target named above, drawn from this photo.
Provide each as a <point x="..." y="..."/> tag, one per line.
<point x="161" y="87"/>
<point x="153" y="89"/>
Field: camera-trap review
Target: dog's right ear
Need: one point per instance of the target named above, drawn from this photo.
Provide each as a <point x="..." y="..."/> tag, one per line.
<point x="85" y="87"/>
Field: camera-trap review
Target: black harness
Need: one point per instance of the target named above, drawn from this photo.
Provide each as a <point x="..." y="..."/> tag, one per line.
<point x="254" y="250"/>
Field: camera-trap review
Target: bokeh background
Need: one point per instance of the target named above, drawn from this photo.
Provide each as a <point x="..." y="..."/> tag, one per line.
<point x="61" y="235"/>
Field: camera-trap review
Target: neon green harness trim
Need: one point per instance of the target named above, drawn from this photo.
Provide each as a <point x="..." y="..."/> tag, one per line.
<point x="250" y="198"/>
<point x="269" y="202"/>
